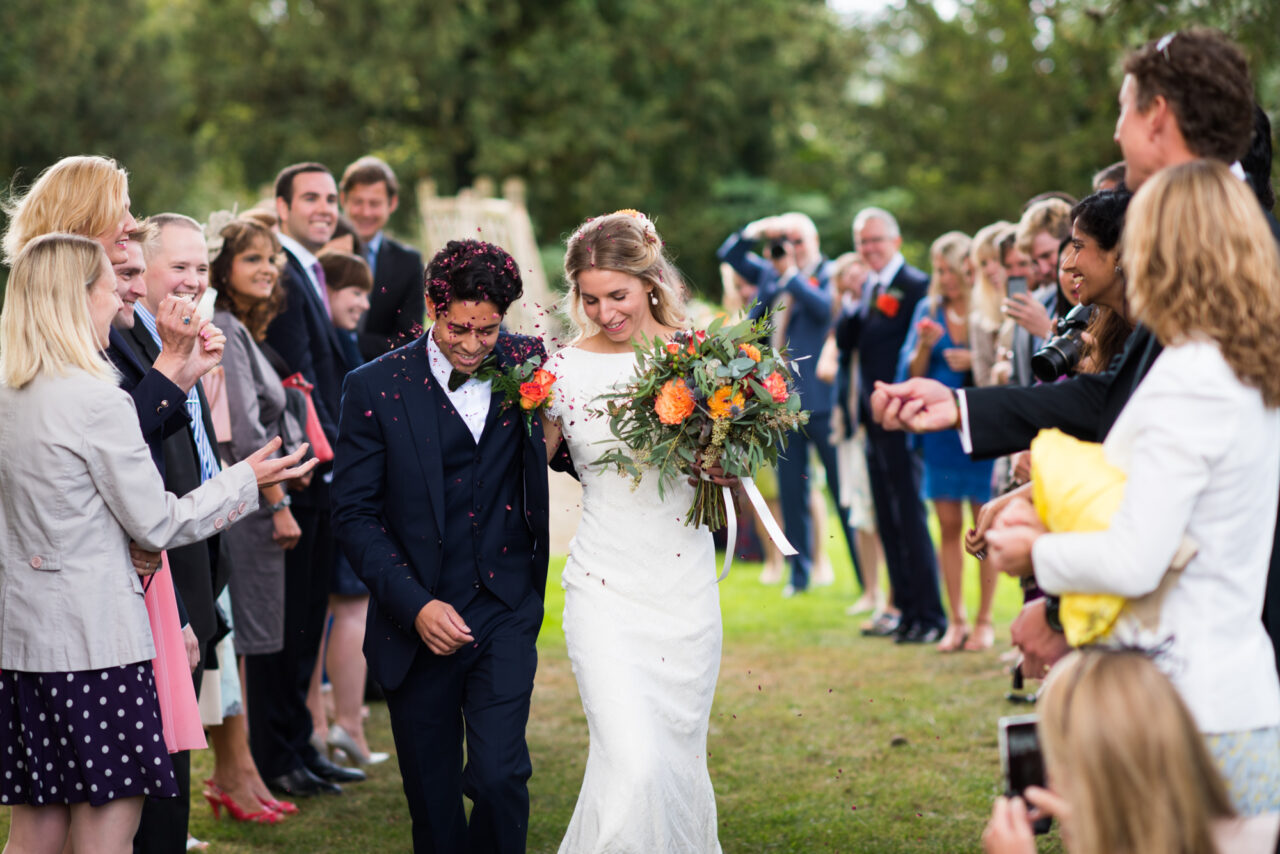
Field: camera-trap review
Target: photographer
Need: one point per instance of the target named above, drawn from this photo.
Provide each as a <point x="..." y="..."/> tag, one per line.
<point x="1109" y="720"/>
<point x="1041" y="229"/>
<point x="795" y="283"/>
<point x="1092" y="259"/>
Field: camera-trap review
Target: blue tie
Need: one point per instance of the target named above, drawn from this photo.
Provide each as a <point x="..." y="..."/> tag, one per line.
<point x="371" y="257"/>
<point x="209" y="466"/>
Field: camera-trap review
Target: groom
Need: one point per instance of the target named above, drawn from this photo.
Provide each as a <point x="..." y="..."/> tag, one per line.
<point x="440" y="504"/>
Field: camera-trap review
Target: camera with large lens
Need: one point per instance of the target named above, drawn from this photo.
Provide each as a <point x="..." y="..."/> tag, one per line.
<point x="1061" y="354"/>
<point x="778" y="248"/>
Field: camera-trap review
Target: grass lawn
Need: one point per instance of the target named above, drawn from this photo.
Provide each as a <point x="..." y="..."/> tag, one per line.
<point x="821" y="740"/>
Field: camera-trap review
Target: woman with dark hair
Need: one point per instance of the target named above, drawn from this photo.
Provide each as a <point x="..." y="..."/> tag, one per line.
<point x="246" y="274"/>
<point x="1092" y="258"/>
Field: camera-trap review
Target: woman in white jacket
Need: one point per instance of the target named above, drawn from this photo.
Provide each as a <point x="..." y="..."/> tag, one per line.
<point x="80" y="736"/>
<point x="1200" y="443"/>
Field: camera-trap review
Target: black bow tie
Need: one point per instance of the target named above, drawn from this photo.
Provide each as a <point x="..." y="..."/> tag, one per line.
<point x="457" y="378"/>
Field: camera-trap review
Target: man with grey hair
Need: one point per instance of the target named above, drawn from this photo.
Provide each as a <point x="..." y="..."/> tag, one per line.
<point x="795" y="282"/>
<point x="877" y="328"/>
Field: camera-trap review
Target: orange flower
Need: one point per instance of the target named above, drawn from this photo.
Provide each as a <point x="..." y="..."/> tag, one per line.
<point x="673" y="348"/>
<point x="777" y="386"/>
<point x="751" y="351"/>
<point x="674" y="403"/>
<point x="722" y="402"/>
<point x="538" y="390"/>
<point x="888" y="304"/>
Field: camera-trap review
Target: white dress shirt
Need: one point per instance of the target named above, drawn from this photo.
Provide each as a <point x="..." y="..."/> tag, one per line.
<point x="1202" y="454"/>
<point x="471" y="400"/>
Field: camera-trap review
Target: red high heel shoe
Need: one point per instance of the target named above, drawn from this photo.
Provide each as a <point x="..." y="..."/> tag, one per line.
<point x="282" y="807"/>
<point x="218" y="799"/>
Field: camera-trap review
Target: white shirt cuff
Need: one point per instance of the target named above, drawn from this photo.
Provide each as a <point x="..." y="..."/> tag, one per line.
<point x="966" y="441"/>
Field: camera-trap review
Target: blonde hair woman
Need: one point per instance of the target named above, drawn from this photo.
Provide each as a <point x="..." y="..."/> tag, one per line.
<point x="985" y="316"/>
<point x="1127" y="770"/>
<point x="85" y="195"/>
<point x="76" y="483"/>
<point x="938" y="347"/>
<point x="641" y="609"/>
<point x="1200" y="442"/>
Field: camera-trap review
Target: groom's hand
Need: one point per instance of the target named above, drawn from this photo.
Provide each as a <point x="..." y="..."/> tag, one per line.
<point x="441" y="628"/>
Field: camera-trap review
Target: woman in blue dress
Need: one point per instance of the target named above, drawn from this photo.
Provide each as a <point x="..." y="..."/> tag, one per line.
<point x="938" y="347"/>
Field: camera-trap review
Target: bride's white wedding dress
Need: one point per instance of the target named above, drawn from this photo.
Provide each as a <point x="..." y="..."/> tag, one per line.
<point x="642" y="624"/>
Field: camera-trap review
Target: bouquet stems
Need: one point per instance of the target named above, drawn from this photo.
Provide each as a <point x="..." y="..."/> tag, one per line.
<point x="708" y="507"/>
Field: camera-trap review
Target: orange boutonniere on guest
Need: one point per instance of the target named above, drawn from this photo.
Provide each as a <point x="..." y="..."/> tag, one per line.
<point x="889" y="302"/>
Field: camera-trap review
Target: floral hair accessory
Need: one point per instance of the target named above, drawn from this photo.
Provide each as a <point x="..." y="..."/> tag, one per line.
<point x="218" y="220"/>
<point x="646" y="224"/>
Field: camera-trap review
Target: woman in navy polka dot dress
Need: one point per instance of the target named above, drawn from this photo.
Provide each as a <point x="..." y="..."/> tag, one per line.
<point x="80" y="737"/>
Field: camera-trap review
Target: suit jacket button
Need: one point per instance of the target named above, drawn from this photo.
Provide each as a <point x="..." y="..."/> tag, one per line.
<point x="231" y="516"/>
<point x="475" y="584"/>
<point x="241" y="507"/>
<point x="36" y="562"/>
<point x="218" y="523"/>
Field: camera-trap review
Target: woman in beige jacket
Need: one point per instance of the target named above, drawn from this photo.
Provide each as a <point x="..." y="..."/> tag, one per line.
<point x="80" y="736"/>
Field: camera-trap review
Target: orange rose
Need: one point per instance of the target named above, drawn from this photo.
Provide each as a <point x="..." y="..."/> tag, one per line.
<point x="538" y="390"/>
<point x="722" y="402"/>
<point x="777" y="386"/>
<point x="673" y="348"/>
<point x="674" y="403"/>
<point x="751" y="351"/>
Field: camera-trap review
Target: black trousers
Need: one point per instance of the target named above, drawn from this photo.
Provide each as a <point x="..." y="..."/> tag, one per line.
<point x="276" y="683"/>
<point x="481" y="694"/>
<point x="900" y="517"/>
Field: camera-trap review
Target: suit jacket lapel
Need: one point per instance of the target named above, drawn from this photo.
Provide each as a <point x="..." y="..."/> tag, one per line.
<point x="422" y="399"/>
<point x="313" y="299"/>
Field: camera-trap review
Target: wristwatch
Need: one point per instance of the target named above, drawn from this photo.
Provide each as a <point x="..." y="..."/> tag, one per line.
<point x="1052" y="615"/>
<point x="281" y="504"/>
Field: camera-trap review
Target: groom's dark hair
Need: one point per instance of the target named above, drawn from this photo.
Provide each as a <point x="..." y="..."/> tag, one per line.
<point x="475" y="271"/>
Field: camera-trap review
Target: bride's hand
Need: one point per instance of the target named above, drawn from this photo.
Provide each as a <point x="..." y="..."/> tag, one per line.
<point x="715" y="474"/>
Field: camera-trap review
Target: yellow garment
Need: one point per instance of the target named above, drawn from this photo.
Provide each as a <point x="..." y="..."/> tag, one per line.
<point x="1074" y="488"/>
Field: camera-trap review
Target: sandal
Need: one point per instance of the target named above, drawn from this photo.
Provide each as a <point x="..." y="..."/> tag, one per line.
<point x="982" y="638"/>
<point x="954" y="639"/>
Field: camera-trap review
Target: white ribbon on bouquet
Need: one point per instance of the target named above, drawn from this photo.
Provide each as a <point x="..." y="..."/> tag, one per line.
<point x="762" y="510"/>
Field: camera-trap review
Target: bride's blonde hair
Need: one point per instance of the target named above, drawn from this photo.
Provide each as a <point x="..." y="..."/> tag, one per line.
<point x="626" y="242"/>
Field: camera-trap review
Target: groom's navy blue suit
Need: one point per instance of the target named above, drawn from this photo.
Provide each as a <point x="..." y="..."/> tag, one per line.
<point x="423" y="511"/>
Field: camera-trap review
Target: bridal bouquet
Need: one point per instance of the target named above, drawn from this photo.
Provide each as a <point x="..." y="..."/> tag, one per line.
<point x="721" y="396"/>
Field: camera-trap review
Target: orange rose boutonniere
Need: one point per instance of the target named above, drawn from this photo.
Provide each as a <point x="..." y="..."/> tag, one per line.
<point x="889" y="302"/>
<point x="537" y="392"/>
<point x="527" y="385"/>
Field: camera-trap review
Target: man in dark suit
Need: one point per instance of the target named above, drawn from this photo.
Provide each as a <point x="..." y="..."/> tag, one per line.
<point x="1185" y="96"/>
<point x="303" y="336"/>
<point x="440" y="503"/>
<point x="175" y="275"/>
<point x="795" y="283"/>
<point x="877" y="328"/>
<point x="370" y="194"/>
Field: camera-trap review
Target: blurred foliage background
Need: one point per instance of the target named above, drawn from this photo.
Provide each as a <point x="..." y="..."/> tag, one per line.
<point x="704" y="113"/>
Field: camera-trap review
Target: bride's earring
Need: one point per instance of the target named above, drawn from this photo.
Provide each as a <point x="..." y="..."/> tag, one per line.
<point x="653" y="297"/>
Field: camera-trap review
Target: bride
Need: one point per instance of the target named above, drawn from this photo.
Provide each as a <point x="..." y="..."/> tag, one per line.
<point x="642" y="610"/>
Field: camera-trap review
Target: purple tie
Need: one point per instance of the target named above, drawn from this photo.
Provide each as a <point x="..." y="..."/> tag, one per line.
<point x="322" y="288"/>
